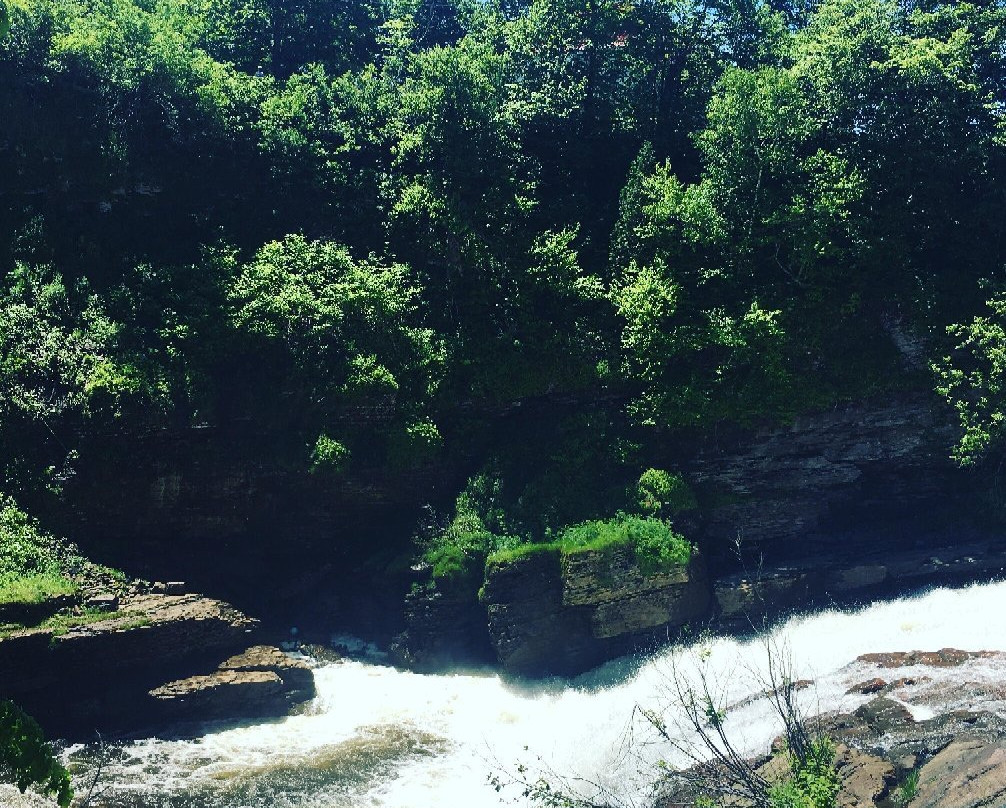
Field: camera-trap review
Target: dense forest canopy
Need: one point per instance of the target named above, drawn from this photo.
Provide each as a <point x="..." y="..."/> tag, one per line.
<point x="368" y="226"/>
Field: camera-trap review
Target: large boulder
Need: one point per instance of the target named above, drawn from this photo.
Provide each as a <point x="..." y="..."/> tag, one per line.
<point x="551" y="612"/>
<point x="102" y="664"/>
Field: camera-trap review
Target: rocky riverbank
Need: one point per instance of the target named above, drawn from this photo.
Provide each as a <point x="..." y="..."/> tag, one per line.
<point x="142" y="656"/>
<point x="550" y="613"/>
<point x="919" y="737"/>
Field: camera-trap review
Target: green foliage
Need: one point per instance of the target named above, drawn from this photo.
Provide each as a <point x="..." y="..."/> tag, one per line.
<point x="391" y="225"/>
<point x="328" y="455"/>
<point x="478" y="530"/>
<point x="54" y="346"/>
<point x="33" y="564"/>
<point x="414" y="443"/>
<point x="908" y="789"/>
<point x="35" y="588"/>
<point x="507" y="555"/>
<point x="813" y="781"/>
<point x="344" y="322"/>
<point x="659" y="491"/>
<point x="655" y="545"/>
<point x="973" y="381"/>
<point x="27" y="760"/>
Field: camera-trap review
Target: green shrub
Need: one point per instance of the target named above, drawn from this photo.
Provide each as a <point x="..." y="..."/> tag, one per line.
<point x="34" y="566"/>
<point x="658" y="491"/>
<point x="328" y="455"/>
<point x="25" y="549"/>
<point x="813" y="781"/>
<point x="414" y="443"/>
<point x="510" y="554"/>
<point x="26" y="759"/>
<point x="657" y="547"/>
<point x="908" y="789"/>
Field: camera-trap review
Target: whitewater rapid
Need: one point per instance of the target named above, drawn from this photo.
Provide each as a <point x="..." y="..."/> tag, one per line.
<point x="377" y="737"/>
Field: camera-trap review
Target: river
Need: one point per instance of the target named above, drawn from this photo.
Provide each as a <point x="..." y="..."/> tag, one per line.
<point x="377" y="737"/>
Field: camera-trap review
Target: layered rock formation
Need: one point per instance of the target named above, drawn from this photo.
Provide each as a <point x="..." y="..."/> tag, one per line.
<point x="783" y="491"/>
<point x="261" y="682"/>
<point x="108" y="671"/>
<point x="559" y="613"/>
<point x="839" y="506"/>
<point x="552" y="613"/>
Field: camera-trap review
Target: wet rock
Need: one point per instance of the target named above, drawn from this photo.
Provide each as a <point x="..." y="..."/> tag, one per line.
<point x="869" y="686"/>
<point x="445" y="626"/>
<point x="624" y="600"/>
<point x="861" y="576"/>
<point x="908" y="681"/>
<point x="944" y="658"/>
<point x="883" y="715"/>
<point x="103" y="668"/>
<point x="260" y="682"/>
<point x="555" y="613"/>
<point x="743" y="599"/>
<point x="295" y="673"/>
<point x="532" y="632"/>
<point x="223" y="694"/>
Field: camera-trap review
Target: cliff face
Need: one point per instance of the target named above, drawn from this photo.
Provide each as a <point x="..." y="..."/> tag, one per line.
<point x="559" y="613"/>
<point x="812" y="503"/>
<point x="788" y="491"/>
<point x="836" y="507"/>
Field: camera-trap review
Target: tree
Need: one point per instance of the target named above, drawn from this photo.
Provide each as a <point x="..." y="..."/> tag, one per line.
<point x="27" y="760"/>
<point x="973" y="380"/>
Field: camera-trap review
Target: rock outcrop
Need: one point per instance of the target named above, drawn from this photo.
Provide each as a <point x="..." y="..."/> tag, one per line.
<point x="743" y="599"/>
<point x="965" y="774"/>
<point x="104" y="665"/>
<point x="884" y="756"/>
<point x="445" y="626"/>
<point x="560" y="613"/>
<point x="262" y="682"/>
<point x="553" y="613"/>
<point x="783" y="490"/>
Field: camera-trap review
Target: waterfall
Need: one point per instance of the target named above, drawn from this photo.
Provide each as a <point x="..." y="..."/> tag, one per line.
<point x="376" y="736"/>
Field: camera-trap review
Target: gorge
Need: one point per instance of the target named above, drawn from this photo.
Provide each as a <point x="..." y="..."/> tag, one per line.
<point x="387" y="385"/>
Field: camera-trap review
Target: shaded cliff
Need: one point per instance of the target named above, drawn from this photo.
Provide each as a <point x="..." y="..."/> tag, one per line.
<point x="789" y="491"/>
<point x="835" y="507"/>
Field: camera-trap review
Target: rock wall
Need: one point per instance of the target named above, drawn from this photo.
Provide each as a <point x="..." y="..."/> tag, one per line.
<point x="562" y="613"/>
<point x="789" y="491"/>
<point x="836" y="507"/>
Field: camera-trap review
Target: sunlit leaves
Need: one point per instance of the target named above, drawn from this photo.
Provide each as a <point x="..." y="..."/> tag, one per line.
<point x="26" y="760"/>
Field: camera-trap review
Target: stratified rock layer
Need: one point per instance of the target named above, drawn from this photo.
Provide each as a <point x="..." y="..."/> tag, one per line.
<point x="261" y="682"/>
<point x="560" y="613"/>
<point x="103" y="671"/>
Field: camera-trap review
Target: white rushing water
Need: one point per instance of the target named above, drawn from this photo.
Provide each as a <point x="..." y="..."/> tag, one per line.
<point x="377" y="737"/>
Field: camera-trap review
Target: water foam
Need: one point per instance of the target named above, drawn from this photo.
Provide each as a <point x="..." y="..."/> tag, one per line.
<point x="381" y="737"/>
